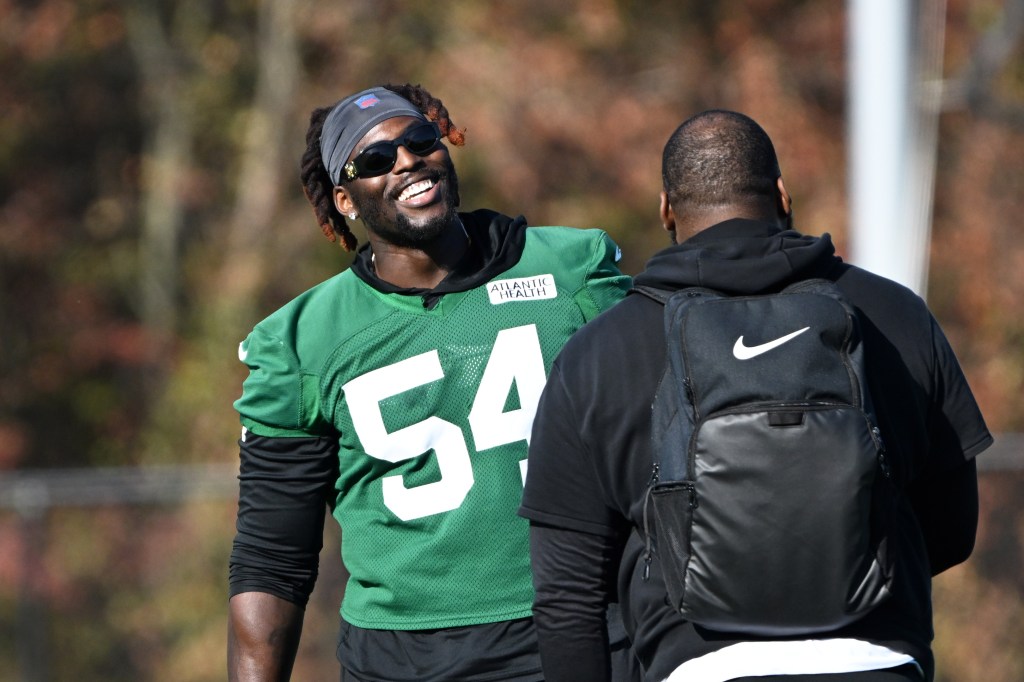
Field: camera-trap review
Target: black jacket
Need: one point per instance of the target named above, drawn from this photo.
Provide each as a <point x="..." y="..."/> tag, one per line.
<point x="590" y="457"/>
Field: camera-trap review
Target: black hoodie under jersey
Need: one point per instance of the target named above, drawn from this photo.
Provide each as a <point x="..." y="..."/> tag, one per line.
<point x="590" y="457"/>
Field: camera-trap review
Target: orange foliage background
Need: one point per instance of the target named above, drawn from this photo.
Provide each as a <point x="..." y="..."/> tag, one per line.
<point x="150" y="213"/>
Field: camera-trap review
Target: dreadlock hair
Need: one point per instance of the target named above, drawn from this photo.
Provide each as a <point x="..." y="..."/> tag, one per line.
<point x="718" y="158"/>
<point x="316" y="182"/>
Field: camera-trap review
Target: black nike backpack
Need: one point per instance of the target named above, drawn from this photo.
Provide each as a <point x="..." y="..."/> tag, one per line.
<point x="771" y="493"/>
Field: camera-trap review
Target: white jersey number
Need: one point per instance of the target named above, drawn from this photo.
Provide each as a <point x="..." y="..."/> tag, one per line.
<point x="515" y="359"/>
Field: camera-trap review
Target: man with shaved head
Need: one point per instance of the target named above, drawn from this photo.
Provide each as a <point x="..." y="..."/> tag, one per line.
<point x="593" y="461"/>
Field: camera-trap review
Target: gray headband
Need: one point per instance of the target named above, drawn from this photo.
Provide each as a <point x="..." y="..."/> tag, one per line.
<point x="353" y="117"/>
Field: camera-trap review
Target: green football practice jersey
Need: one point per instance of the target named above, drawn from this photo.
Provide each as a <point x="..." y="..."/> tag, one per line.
<point x="432" y="408"/>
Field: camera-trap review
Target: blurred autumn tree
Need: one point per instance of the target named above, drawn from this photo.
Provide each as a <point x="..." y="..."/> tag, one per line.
<point x="150" y="213"/>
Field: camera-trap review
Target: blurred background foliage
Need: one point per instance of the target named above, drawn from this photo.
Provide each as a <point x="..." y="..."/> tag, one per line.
<point x="150" y="214"/>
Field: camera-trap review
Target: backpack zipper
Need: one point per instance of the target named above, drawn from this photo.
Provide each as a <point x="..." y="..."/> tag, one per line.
<point x="815" y="405"/>
<point x="648" y="545"/>
<point x="883" y="461"/>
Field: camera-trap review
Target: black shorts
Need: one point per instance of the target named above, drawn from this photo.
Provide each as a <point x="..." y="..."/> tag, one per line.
<point x="491" y="652"/>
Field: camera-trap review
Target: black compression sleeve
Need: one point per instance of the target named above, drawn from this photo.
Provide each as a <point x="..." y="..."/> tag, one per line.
<point x="946" y="505"/>
<point x="574" y="578"/>
<point x="284" y="486"/>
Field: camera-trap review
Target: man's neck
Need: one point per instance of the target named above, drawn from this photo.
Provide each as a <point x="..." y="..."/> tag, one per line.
<point x="420" y="267"/>
<point x="691" y="224"/>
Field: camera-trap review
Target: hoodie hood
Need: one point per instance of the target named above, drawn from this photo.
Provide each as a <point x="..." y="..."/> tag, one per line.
<point x="496" y="244"/>
<point x="740" y="257"/>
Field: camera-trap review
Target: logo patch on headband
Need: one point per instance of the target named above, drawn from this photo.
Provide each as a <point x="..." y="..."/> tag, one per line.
<point x="522" y="289"/>
<point x="367" y="101"/>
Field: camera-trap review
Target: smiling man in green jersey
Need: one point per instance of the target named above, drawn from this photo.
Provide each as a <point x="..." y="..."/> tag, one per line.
<point x="400" y="395"/>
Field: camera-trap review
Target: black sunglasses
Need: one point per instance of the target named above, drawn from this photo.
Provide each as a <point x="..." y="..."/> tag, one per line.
<point x="380" y="157"/>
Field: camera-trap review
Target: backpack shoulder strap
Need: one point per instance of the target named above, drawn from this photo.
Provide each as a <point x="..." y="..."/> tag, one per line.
<point x="663" y="296"/>
<point x="817" y="285"/>
<point x="657" y="295"/>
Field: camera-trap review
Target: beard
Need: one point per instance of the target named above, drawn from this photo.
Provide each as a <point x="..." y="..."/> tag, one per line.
<point x="400" y="230"/>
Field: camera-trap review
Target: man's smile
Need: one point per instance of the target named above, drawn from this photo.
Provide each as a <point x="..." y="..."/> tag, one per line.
<point x="418" y="193"/>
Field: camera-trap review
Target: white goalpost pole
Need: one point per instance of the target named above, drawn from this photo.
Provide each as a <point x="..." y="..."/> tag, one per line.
<point x="892" y="135"/>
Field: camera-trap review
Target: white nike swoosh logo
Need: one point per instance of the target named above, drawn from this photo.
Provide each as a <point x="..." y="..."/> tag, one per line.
<point x="743" y="352"/>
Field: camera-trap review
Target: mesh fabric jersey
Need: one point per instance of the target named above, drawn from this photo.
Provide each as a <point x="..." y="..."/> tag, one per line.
<point x="433" y="410"/>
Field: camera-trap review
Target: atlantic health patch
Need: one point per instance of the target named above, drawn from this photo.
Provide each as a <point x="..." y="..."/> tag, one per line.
<point x="533" y="288"/>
